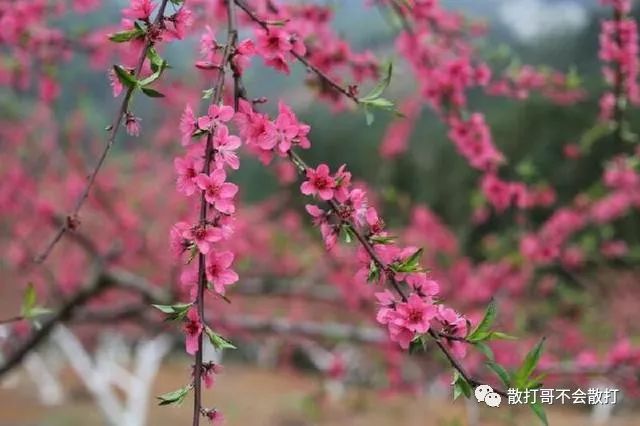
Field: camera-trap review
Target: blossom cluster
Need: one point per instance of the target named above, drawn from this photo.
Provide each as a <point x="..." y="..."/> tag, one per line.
<point x="550" y="242"/>
<point x="210" y="151"/>
<point x="553" y="85"/>
<point x="209" y="180"/>
<point x="305" y="31"/>
<point x="140" y="34"/>
<point x="406" y="316"/>
<point x="445" y="67"/>
<point x="619" y="52"/>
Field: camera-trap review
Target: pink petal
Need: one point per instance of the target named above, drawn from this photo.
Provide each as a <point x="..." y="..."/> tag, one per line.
<point x="307" y="188"/>
<point x="204" y="122"/>
<point x="224" y="206"/>
<point x="191" y="344"/>
<point x="326" y="194"/>
<point x="228" y="190"/>
<point x="202" y="181"/>
<point x="225" y="259"/>
<point x="203" y="246"/>
<point x="218" y="176"/>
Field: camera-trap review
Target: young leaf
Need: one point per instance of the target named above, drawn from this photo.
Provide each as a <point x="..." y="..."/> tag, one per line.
<point x="419" y="342"/>
<point x="498" y="335"/>
<point x="174" y="397"/>
<point x="379" y="239"/>
<point x="377" y="91"/>
<point x="539" y="411"/>
<point x="28" y="300"/>
<point x="485" y="349"/>
<point x="148" y="80"/>
<point x="36" y="311"/>
<point x="125" y="77"/>
<point x="381" y="103"/>
<point x="218" y="341"/>
<point x="529" y="364"/>
<point x="157" y="63"/>
<point x="368" y="115"/>
<point x="124" y="36"/>
<point x="152" y="93"/>
<point x="374" y="272"/>
<point x="174" y="312"/>
<point x="411" y="264"/>
<point x="347" y="234"/>
<point x="482" y="330"/>
<point x="206" y="94"/>
<point x="500" y="372"/>
<point x="460" y="386"/>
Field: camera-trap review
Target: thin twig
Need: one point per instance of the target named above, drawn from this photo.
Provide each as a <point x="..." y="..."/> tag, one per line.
<point x="11" y="320"/>
<point x="323" y="76"/>
<point x="63" y="314"/>
<point x="72" y="218"/>
<point x="202" y="278"/>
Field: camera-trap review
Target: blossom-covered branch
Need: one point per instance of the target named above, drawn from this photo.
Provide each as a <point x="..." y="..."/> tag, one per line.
<point x="151" y="36"/>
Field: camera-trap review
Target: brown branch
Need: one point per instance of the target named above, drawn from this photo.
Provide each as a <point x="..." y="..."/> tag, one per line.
<point x="96" y="286"/>
<point x="72" y="218"/>
<point x="310" y="67"/>
<point x="11" y="320"/>
<point x="202" y="279"/>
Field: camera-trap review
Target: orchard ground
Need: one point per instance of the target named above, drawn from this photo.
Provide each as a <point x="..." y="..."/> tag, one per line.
<point x="257" y="397"/>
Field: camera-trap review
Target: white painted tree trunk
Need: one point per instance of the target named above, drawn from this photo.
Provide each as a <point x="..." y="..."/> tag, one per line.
<point x="105" y="372"/>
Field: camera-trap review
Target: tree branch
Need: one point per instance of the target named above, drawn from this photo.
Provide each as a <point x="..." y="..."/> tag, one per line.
<point x="71" y="221"/>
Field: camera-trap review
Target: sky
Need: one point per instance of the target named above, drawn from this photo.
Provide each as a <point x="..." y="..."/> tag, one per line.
<point x="529" y="19"/>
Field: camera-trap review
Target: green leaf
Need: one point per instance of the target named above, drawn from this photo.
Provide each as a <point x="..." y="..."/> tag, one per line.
<point x="377" y="91"/>
<point x="592" y="135"/>
<point x="174" y="312"/>
<point x="574" y="80"/>
<point x="348" y="234"/>
<point x="218" y="341"/>
<point x="174" y="397"/>
<point x="368" y="115"/>
<point x="125" y="77"/>
<point x="535" y="382"/>
<point x="150" y="79"/>
<point x="418" y="343"/>
<point x="39" y="310"/>
<point x="152" y="93"/>
<point x="28" y="300"/>
<point x="529" y="364"/>
<point x="539" y="411"/>
<point x="374" y="272"/>
<point x="482" y="330"/>
<point x="411" y="264"/>
<point x="206" y="94"/>
<point x="124" y="36"/>
<point x="379" y="239"/>
<point x="498" y="335"/>
<point x="157" y="63"/>
<point x="485" y="349"/>
<point x="460" y="386"/>
<point x="500" y="372"/>
<point x="381" y="103"/>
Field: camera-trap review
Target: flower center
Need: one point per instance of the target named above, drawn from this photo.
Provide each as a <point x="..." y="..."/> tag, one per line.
<point x="321" y="182"/>
<point x="415" y="315"/>
<point x="200" y="232"/>
<point x="192" y="328"/>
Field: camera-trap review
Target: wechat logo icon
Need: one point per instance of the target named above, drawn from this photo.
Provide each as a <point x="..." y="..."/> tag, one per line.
<point x="485" y="393"/>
